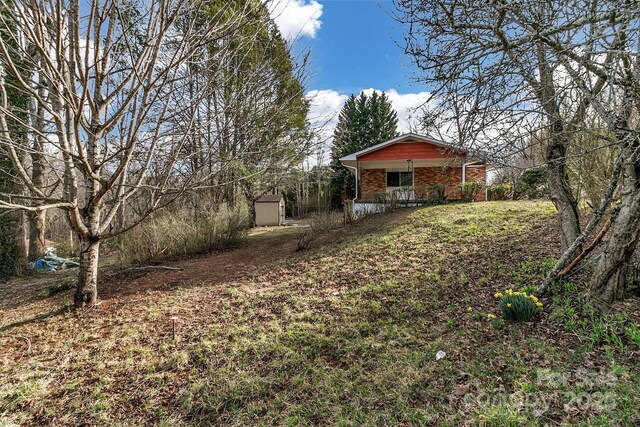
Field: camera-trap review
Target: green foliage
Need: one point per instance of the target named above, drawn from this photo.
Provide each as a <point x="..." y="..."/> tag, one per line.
<point x="343" y="335"/>
<point x="500" y="191"/>
<point x="518" y="306"/>
<point x="363" y="122"/>
<point x="68" y="249"/>
<point x="633" y="333"/>
<point x="261" y="98"/>
<point x="532" y="184"/>
<point x="469" y="190"/>
<point x="12" y="258"/>
<point x="10" y="254"/>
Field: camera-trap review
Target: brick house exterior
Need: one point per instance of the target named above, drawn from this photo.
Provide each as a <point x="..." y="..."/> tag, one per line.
<point x="415" y="159"/>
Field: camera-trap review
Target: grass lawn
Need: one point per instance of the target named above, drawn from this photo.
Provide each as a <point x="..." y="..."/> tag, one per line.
<point x="343" y="334"/>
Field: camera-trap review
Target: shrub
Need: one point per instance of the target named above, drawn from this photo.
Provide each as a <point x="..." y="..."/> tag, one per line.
<point x="381" y="198"/>
<point x="319" y="223"/>
<point x="500" y="191"/>
<point x="183" y="232"/>
<point x="57" y="288"/>
<point x="68" y="249"/>
<point x="518" y="306"/>
<point x="469" y="190"/>
<point x="532" y="183"/>
<point x="431" y="194"/>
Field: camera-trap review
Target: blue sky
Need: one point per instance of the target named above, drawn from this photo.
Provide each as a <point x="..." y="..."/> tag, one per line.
<point x="353" y="49"/>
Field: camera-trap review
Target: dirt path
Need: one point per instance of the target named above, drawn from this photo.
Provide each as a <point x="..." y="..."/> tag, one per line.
<point x="261" y="247"/>
<point x="24" y="296"/>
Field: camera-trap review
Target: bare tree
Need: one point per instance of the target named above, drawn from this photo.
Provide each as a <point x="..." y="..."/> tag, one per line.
<point x="106" y="83"/>
<point x="515" y="62"/>
<point x="501" y="82"/>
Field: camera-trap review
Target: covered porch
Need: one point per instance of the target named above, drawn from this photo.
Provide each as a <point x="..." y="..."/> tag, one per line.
<point x="413" y="181"/>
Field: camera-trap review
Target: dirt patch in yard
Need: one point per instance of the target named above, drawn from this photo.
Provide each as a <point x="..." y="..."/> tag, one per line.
<point x="263" y="245"/>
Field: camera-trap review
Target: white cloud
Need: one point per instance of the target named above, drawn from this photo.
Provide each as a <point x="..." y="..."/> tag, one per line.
<point x="324" y="107"/>
<point x="296" y="18"/>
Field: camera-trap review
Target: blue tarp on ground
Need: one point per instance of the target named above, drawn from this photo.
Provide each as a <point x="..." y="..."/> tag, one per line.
<point x="53" y="263"/>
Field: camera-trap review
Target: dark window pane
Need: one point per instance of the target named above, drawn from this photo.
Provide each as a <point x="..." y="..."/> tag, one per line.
<point x="406" y="179"/>
<point x="393" y="179"/>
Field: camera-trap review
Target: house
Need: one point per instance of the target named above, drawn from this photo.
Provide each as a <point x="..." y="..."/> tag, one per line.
<point x="270" y="210"/>
<point x="401" y="167"/>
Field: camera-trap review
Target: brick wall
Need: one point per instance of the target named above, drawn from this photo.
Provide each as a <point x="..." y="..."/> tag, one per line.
<point x="375" y="180"/>
<point x="478" y="173"/>
<point x="372" y="181"/>
<point x="449" y="176"/>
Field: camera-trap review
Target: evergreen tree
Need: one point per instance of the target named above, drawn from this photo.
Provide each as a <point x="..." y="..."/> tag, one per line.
<point x="363" y="122"/>
<point x="13" y="258"/>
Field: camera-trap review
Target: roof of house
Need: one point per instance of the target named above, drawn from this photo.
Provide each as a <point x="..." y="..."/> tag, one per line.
<point x="407" y="137"/>
<point x="270" y="198"/>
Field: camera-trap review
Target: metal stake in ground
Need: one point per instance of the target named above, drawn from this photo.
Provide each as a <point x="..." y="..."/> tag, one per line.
<point x="173" y="327"/>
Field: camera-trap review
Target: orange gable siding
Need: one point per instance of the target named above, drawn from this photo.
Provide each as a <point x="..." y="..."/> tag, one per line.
<point x="409" y="151"/>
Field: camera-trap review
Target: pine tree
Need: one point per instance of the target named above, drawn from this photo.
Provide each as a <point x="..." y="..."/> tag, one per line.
<point x="363" y="122"/>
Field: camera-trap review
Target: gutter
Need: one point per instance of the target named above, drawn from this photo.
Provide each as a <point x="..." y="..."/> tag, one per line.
<point x="356" y="171"/>
<point x="464" y="170"/>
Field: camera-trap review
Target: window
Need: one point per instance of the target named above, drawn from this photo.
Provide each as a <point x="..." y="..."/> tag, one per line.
<point x="399" y="179"/>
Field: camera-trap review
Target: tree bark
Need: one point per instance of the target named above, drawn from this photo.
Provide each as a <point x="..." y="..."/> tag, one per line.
<point x="608" y="283"/>
<point x="560" y="191"/>
<point x="37" y="244"/>
<point x="631" y="273"/>
<point x="87" y="291"/>
<point x="557" y="176"/>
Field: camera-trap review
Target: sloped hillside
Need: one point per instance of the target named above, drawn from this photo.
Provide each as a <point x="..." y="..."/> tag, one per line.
<point x="346" y="333"/>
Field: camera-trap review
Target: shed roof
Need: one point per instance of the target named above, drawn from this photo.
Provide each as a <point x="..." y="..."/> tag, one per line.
<point x="270" y="198"/>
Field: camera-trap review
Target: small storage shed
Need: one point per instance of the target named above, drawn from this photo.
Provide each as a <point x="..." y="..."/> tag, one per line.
<point x="270" y="210"/>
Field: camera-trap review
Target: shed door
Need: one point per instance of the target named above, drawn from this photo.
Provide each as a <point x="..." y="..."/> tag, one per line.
<point x="282" y="214"/>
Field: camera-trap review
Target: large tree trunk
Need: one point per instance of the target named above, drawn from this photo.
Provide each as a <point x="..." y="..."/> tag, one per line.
<point x="557" y="175"/>
<point x="609" y="282"/>
<point x="631" y="273"/>
<point x="37" y="244"/>
<point x="87" y="291"/>
<point x="561" y="194"/>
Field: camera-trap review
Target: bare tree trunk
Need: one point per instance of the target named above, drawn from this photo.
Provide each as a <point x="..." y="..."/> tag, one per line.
<point x="37" y="221"/>
<point x="87" y="291"/>
<point x="609" y="282"/>
<point x="557" y="175"/>
<point x="561" y="194"/>
<point x="631" y="273"/>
